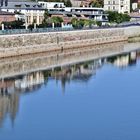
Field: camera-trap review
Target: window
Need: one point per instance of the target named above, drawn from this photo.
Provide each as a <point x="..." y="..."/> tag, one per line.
<point x="27" y="5"/>
<point x="18" y="6"/>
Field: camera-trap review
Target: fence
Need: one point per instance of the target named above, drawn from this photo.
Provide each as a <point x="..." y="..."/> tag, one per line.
<point x="41" y="30"/>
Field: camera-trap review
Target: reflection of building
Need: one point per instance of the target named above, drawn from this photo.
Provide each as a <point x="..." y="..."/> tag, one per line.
<point x="78" y="72"/>
<point x="123" y="60"/>
<point x="9" y="104"/>
<point x="30" y="80"/>
<point x="10" y="90"/>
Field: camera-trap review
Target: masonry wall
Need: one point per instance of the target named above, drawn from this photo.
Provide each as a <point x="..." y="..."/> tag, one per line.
<point x="12" y="45"/>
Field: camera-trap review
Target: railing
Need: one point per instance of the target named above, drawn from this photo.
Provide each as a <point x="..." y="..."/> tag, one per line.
<point x="38" y="30"/>
<point x="60" y="29"/>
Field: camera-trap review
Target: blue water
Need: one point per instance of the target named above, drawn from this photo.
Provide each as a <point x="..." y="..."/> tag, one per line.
<point x="102" y="105"/>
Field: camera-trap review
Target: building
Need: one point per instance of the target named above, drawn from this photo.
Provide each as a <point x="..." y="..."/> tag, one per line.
<point x="68" y="13"/>
<point x="121" y="6"/>
<point x="6" y="17"/>
<point x="3" y="2"/>
<point x="134" y="5"/>
<point x="47" y="5"/>
<point x="33" y="11"/>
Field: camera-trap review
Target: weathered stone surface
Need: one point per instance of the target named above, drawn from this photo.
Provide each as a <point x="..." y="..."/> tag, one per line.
<point x="12" y="45"/>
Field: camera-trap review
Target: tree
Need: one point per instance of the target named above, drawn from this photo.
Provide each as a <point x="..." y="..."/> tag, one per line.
<point x="17" y="24"/>
<point x="56" y="20"/>
<point x="68" y="3"/>
<point x="46" y="16"/>
<point x="116" y="17"/>
<point x="80" y="23"/>
<point x="97" y="3"/>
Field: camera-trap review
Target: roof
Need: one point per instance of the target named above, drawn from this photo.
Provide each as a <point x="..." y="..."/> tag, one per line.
<point x="6" y="13"/>
<point x="23" y="5"/>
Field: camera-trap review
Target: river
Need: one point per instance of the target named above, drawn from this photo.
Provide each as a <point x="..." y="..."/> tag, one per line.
<point x="91" y="93"/>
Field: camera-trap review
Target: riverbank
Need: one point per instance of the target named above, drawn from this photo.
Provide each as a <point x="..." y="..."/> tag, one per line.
<point x="20" y="65"/>
<point x="21" y="44"/>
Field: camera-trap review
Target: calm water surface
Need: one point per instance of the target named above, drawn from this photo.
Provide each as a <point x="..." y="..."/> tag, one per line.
<point x="93" y="100"/>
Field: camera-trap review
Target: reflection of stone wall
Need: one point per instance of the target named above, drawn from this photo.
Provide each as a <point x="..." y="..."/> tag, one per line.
<point x="23" y="64"/>
<point x="11" y="45"/>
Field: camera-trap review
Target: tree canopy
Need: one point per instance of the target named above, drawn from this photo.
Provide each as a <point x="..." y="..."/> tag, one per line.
<point x="17" y="24"/>
<point x="97" y="3"/>
<point x="117" y="17"/>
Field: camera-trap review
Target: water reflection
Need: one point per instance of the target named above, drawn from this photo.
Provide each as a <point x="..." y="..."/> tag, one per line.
<point x="12" y="88"/>
<point x="124" y="60"/>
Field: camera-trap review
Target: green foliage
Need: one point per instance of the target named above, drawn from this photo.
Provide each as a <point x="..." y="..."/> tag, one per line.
<point x="18" y="24"/>
<point x="96" y="3"/>
<point x="115" y="17"/>
<point x="77" y="23"/>
<point x="139" y="5"/>
<point x="56" y="20"/>
<point x="80" y="23"/>
<point x="46" y="16"/>
<point x="99" y="23"/>
<point x="48" y="22"/>
<point x="68" y="3"/>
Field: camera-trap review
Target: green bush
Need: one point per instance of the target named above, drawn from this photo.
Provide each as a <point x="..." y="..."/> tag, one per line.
<point x="99" y="23"/>
<point x="115" y="17"/>
<point x="17" y="24"/>
<point x="80" y="23"/>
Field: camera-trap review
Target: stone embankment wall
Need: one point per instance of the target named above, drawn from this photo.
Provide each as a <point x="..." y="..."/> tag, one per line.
<point x="12" y="45"/>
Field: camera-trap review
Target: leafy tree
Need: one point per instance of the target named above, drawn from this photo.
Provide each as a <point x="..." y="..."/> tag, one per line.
<point x="68" y="3"/>
<point x="80" y="23"/>
<point x="99" y="23"/>
<point x="97" y="3"/>
<point x="56" y="20"/>
<point x="46" y="16"/>
<point x="117" y="17"/>
<point x="17" y="24"/>
<point x="74" y="22"/>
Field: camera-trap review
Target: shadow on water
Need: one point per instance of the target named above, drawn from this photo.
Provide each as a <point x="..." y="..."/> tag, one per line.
<point x="24" y="75"/>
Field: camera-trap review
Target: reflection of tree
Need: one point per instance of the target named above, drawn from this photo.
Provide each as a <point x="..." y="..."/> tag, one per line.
<point x="9" y="105"/>
<point x="14" y="105"/>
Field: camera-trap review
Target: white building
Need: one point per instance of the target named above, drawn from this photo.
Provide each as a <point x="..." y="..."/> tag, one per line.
<point x="134" y="5"/>
<point x="121" y="6"/>
<point x="33" y="11"/>
<point x="48" y="5"/>
<point x="94" y="13"/>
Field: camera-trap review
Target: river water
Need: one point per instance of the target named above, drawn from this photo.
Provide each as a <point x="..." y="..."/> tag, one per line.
<point x="72" y="95"/>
